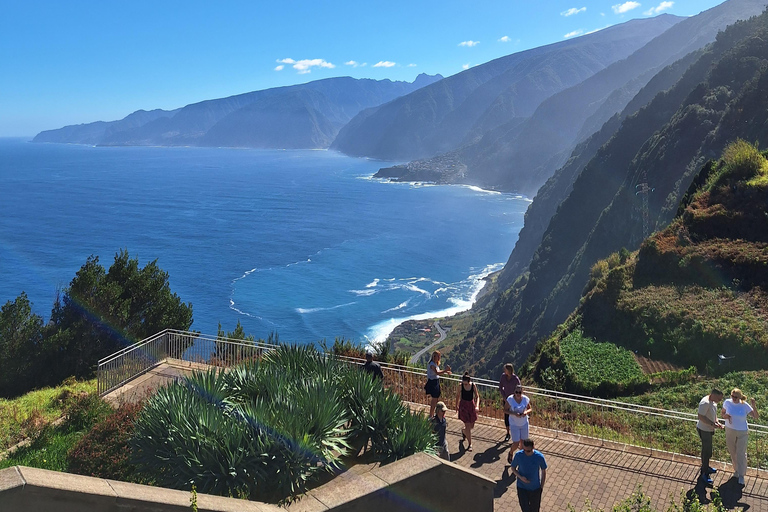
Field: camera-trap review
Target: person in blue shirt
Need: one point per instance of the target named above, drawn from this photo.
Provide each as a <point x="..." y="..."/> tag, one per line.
<point x="530" y="468"/>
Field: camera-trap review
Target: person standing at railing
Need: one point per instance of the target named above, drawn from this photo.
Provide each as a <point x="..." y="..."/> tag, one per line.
<point x="706" y="427"/>
<point x="432" y="386"/>
<point x="735" y="411"/>
<point x="468" y="405"/>
<point x="519" y="408"/>
<point x="507" y="384"/>
<point x="372" y="367"/>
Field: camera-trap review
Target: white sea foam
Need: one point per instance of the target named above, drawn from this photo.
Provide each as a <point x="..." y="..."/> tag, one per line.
<point x="399" y="306"/>
<point x="364" y="293"/>
<point x="380" y="331"/>
<point x="483" y="190"/>
<point x="304" y="311"/>
<point x="372" y="283"/>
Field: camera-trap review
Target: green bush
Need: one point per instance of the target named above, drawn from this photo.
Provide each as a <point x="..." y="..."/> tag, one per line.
<point x="267" y="429"/>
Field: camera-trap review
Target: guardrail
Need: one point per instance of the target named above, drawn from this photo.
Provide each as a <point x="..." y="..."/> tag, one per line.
<point x="600" y="419"/>
<point x="605" y="421"/>
<point x="127" y="364"/>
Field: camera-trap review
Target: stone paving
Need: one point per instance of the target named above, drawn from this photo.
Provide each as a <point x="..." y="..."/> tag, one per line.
<point x="579" y="468"/>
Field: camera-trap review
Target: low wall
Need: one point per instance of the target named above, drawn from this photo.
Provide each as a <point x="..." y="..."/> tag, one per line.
<point x="418" y="482"/>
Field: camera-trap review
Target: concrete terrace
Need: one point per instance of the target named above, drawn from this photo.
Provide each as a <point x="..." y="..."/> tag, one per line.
<point x="579" y="468"/>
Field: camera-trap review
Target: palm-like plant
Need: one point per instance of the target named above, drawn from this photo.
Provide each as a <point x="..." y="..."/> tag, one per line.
<point x="266" y="429"/>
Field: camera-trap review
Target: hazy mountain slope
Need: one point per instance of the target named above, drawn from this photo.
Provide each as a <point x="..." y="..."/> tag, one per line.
<point x="189" y="125"/>
<point x="296" y="119"/>
<point x="438" y="118"/>
<point x="722" y="96"/>
<point x="520" y="155"/>
<point x="94" y="133"/>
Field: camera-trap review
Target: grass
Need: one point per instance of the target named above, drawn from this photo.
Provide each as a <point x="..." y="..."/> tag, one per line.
<point x="49" y="451"/>
<point x="20" y="417"/>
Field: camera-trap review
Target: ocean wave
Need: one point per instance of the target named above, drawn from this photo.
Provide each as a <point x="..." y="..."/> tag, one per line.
<point x="399" y="306"/>
<point x="304" y="311"/>
<point x="363" y="293"/>
<point x="475" y="281"/>
<point x="483" y="190"/>
<point x="372" y="283"/>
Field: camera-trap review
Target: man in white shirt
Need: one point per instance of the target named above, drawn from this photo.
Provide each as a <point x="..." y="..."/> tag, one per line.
<point x="706" y="427"/>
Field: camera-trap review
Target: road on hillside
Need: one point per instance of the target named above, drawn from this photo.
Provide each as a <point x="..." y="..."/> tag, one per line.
<point x="417" y="356"/>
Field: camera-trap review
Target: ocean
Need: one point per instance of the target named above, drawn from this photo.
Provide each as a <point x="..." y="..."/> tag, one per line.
<point x="305" y="244"/>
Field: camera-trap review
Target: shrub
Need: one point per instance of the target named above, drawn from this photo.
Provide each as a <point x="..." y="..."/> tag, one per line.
<point x="104" y="451"/>
<point x="266" y="429"/>
<point x="83" y="410"/>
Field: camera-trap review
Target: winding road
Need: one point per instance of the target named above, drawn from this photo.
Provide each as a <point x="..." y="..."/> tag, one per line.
<point x="417" y="356"/>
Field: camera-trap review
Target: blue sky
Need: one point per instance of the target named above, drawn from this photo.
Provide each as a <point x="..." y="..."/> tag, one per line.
<point x="81" y="61"/>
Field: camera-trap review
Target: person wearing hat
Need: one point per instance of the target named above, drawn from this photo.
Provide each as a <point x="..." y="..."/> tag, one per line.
<point x="372" y="367"/>
<point x="439" y="424"/>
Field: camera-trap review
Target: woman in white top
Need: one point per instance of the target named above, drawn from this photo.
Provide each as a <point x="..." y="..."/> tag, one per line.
<point x="735" y="411"/>
<point x="518" y="406"/>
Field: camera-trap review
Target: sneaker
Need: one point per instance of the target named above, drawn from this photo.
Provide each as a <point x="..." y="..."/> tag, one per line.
<point x="506" y="437"/>
<point x="711" y="470"/>
<point x="706" y="480"/>
<point x="741" y="480"/>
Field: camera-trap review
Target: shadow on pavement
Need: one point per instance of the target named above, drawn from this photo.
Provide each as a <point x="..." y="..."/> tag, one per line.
<point x="503" y="483"/>
<point x="730" y="493"/>
<point x="489" y="456"/>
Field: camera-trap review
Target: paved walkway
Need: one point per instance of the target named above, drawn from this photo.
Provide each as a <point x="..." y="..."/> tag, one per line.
<point x="579" y="468"/>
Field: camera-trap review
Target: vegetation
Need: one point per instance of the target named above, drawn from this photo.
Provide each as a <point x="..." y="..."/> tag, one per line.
<point x="640" y="502"/>
<point x="267" y="428"/>
<point x="48" y="441"/>
<point x="591" y="365"/>
<point x="22" y="417"/>
<point x="99" y="312"/>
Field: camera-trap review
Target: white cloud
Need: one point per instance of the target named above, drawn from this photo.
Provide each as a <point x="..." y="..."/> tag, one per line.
<point x="574" y="33"/>
<point x="305" y="66"/>
<point x="411" y="65"/>
<point x="572" y="11"/>
<point x="625" y="7"/>
<point x="384" y="64"/>
<point x="352" y="63"/>
<point x="663" y="6"/>
<point x="279" y="68"/>
<point x="465" y="66"/>
<point x="504" y="39"/>
<point x="469" y="43"/>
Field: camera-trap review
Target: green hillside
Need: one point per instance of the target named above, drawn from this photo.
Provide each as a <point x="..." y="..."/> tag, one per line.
<point x="694" y="294"/>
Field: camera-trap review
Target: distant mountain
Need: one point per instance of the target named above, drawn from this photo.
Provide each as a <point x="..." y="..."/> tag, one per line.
<point x="721" y="96"/>
<point x="300" y="116"/>
<point x="521" y="154"/>
<point x="448" y="114"/>
<point x="95" y="133"/>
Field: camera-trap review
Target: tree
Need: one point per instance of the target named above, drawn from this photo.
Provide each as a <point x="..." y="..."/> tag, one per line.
<point x="21" y="335"/>
<point x="103" y="311"/>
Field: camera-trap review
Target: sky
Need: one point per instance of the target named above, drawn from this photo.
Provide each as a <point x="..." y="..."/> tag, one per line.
<point x="76" y="62"/>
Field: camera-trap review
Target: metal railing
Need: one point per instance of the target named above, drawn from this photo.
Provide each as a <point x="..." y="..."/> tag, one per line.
<point x="127" y="364"/>
<point x="598" y="419"/>
<point x="601" y="420"/>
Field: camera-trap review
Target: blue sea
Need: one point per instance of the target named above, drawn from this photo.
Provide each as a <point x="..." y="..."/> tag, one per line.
<point x="305" y="244"/>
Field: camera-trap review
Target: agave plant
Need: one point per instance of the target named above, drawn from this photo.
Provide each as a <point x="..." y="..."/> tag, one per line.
<point x="266" y="429"/>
